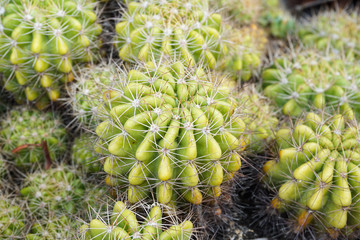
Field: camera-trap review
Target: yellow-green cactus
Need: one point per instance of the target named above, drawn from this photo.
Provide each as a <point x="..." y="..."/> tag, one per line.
<point x="39" y="43"/>
<point x="124" y="224"/>
<point x="185" y="30"/>
<point x="172" y="128"/>
<point x="309" y="80"/>
<point x="316" y="173"/>
<point x="12" y="218"/>
<point x="23" y="132"/>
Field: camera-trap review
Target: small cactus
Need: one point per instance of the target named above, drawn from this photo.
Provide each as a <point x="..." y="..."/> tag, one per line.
<point x="173" y="128"/>
<point x="308" y="79"/>
<point x="39" y="43"/>
<point x="23" y="131"/>
<point x="316" y="174"/>
<point x="185" y="30"/>
<point x="123" y="223"/>
<point x="12" y="218"/>
<point x="53" y="190"/>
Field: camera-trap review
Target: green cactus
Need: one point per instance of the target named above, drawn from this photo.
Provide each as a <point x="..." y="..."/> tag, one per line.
<point x="23" y="131"/>
<point x="335" y="30"/>
<point x="308" y="79"/>
<point x="12" y="218"/>
<point x="184" y="30"/>
<point x="39" y="43"/>
<point x="173" y="128"/>
<point x="123" y="224"/>
<point x="55" y="190"/>
<point x="84" y="93"/>
<point x="83" y="154"/>
<point x="316" y="174"/>
<point x="53" y="227"/>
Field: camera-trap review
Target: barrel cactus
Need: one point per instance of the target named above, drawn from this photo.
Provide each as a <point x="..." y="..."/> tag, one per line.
<point x="316" y="174"/>
<point x="24" y="131"/>
<point x="39" y="43"/>
<point x="12" y="217"/>
<point x="53" y="190"/>
<point x="173" y="128"/>
<point x="185" y="30"/>
<point x="307" y="79"/>
<point x="123" y="223"/>
<point x="332" y="31"/>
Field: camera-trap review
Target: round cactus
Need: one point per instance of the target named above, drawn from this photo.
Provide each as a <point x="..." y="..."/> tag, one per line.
<point x="246" y="48"/>
<point x="173" y="128"/>
<point x="186" y="30"/>
<point x="54" y="190"/>
<point x="83" y="154"/>
<point x="53" y="227"/>
<point x="123" y="223"/>
<point x="332" y="30"/>
<point x="316" y="174"/>
<point x="12" y="218"/>
<point x="23" y="132"/>
<point x="39" y="43"/>
<point x="311" y="80"/>
<point x="84" y="93"/>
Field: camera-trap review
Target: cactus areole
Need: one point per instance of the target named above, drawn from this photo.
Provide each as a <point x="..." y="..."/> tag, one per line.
<point x="170" y="128"/>
<point x="317" y="173"/>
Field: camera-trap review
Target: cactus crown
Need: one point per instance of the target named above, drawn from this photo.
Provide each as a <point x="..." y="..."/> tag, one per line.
<point x="186" y="30"/>
<point x="123" y="223"/>
<point x="23" y="129"/>
<point x="12" y="218"/>
<point x="172" y="127"/>
<point x="40" y="41"/>
<point x="317" y="172"/>
<point x="311" y="80"/>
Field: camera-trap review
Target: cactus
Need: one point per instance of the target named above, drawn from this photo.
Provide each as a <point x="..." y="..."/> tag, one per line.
<point x="173" y="128"/>
<point x="185" y="30"/>
<point x="39" y="43"/>
<point x="332" y="31"/>
<point x="12" y="218"/>
<point x="55" y="190"/>
<point x="316" y="173"/>
<point x="23" y="131"/>
<point x="123" y="223"/>
<point x="84" y="93"/>
<point x="83" y="154"/>
<point x="246" y="49"/>
<point x="53" y="227"/>
<point x="310" y="80"/>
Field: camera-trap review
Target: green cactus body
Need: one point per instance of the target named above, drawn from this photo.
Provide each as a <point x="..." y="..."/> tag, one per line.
<point x="53" y="227"/>
<point x="316" y="174"/>
<point x="332" y="31"/>
<point x="171" y="128"/>
<point x="24" y="130"/>
<point x="246" y="49"/>
<point x="184" y="30"/>
<point x="39" y="43"/>
<point x="311" y="80"/>
<point x="123" y="224"/>
<point x="55" y="190"/>
<point x="83" y="154"/>
<point x="84" y="93"/>
<point x="12" y="218"/>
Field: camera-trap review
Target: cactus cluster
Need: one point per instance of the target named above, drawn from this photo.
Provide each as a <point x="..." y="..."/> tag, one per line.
<point x="40" y="41"/>
<point x="171" y="127"/>
<point x="123" y="223"/>
<point x="332" y="31"/>
<point x="12" y="218"/>
<point x="184" y="30"/>
<point x="309" y="80"/>
<point x="316" y="173"/>
<point x="23" y="133"/>
<point x="53" y="190"/>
